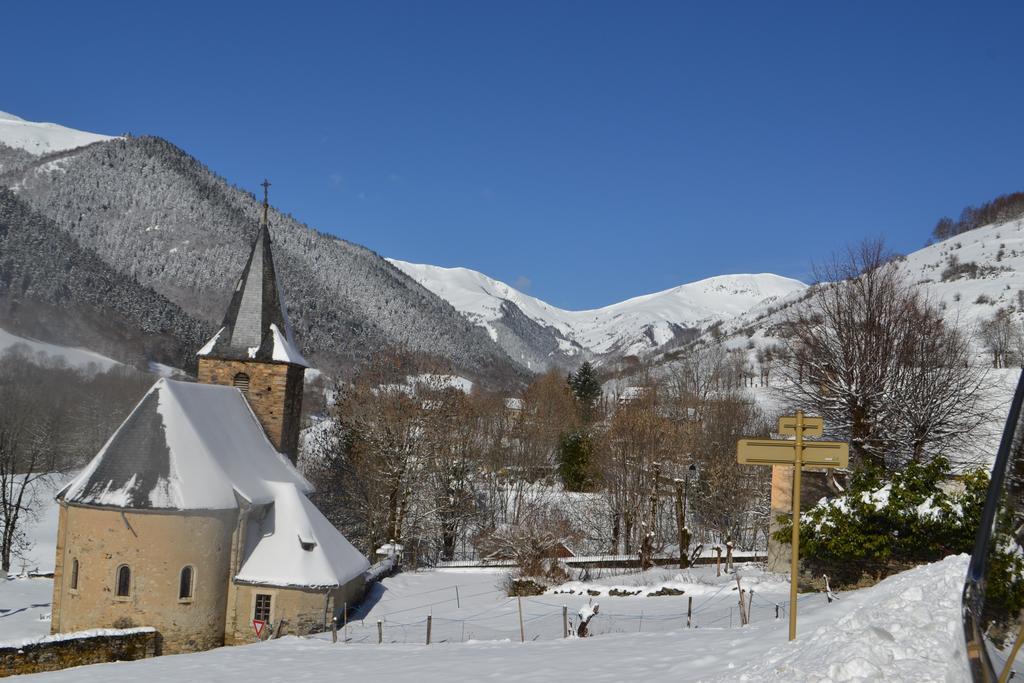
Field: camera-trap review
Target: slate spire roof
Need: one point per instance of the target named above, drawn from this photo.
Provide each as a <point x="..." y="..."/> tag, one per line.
<point x="256" y="325"/>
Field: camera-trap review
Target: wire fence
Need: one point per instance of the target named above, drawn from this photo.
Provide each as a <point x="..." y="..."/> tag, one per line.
<point x="465" y="618"/>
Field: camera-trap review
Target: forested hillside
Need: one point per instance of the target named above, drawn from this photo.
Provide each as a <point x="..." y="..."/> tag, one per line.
<point x="160" y="217"/>
<point x="52" y="288"/>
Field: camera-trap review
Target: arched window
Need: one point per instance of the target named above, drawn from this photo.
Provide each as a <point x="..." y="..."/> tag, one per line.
<point x="74" y="574"/>
<point x="124" y="581"/>
<point x="242" y="382"/>
<point x="185" y="584"/>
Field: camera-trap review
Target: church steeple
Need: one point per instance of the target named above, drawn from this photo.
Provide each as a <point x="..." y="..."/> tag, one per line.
<point x="266" y="205"/>
<point x="256" y="325"/>
<point x="255" y="350"/>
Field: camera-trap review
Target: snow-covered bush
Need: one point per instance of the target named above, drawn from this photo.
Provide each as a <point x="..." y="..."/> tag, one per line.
<point x="883" y="524"/>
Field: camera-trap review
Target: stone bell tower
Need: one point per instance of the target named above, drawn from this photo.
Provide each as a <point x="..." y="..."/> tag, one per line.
<point x="255" y="351"/>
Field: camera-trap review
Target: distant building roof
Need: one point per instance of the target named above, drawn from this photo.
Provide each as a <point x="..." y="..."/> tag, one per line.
<point x="185" y="446"/>
<point x="256" y="325"/>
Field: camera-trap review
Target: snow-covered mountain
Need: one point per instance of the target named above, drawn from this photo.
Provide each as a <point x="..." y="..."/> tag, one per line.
<point x="632" y="327"/>
<point x="151" y="217"/>
<point x="42" y="138"/>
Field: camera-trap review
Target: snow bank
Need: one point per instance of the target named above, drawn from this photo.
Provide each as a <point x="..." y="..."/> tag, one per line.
<point x="900" y="630"/>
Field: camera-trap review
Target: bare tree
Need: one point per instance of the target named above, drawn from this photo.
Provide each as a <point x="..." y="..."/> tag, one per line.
<point x="1002" y="337"/>
<point x="27" y="459"/>
<point x="878" y="361"/>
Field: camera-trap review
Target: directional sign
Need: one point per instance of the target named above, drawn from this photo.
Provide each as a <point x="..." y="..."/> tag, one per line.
<point x="813" y="426"/>
<point x="777" y="452"/>
<point x="799" y="454"/>
<point x="257" y="625"/>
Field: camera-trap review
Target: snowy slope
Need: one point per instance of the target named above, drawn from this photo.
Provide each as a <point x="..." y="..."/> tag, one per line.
<point x="989" y="276"/>
<point x="75" y="357"/>
<point x="997" y="251"/>
<point x="628" y="327"/>
<point x="42" y="138"/>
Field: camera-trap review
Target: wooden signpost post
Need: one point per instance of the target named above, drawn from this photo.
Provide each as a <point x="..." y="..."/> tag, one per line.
<point x="798" y="454"/>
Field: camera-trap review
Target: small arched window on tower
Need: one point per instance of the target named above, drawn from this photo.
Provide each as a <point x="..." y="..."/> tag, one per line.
<point x="242" y="382"/>
<point x="74" y="574"/>
<point x="185" y="584"/>
<point x="124" y="581"/>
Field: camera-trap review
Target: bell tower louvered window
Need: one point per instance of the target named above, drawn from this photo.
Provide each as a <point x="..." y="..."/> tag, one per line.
<point x="242" y="382"/>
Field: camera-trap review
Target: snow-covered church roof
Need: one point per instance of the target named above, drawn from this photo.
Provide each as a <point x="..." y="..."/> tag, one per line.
<point x="256" y="325"/>
<point x="290" y="543"/>
<point x="185" y="446"/>
<point x="189" y="446"/>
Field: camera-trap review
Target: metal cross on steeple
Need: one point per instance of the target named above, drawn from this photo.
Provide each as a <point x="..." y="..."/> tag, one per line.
<point x="266" y="185"/>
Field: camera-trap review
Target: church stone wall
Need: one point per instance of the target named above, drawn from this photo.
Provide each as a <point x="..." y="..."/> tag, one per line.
<point x="156" y="546"/>
<point x="304" y="610"/>
<point x="275" y="395"/>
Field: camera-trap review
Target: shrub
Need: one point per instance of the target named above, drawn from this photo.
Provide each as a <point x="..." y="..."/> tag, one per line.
<point x="878" y="527"/>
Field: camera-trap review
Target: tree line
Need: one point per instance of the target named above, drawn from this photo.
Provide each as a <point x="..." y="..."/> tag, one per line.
<point x="53" y="418"/>
<point x="449" y="474"/>
<point x="1003" y="208"/>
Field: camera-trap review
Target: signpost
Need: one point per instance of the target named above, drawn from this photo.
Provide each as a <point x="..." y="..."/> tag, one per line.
<point x="798" y="454"/>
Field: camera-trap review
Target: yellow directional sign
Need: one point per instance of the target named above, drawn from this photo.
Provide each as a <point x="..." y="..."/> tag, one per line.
<point x="813" y="426"/>
<point x="799" y="454"/>
<point x="815" y="453"/>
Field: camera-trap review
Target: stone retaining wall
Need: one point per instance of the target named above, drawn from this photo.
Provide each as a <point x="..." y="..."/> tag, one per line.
<point x="77" y="649"/>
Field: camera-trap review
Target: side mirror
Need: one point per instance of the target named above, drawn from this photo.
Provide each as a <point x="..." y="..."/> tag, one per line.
<point x="993" y="600"/>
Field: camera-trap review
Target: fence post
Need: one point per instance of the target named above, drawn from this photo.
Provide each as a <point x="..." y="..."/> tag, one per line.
<point x="346" y="621"/>
<point x="380" y="631"/>
<point x="640" y="628"/>
<point x="718" y="560"/>
<point x="458" y="603"/>
<point x="522" y="631"/>
<point x="565" y="621"/>
<point x="689" y="613"/>
<point x="334" y="629"/>
<point x="776" y="610"/>
<point x="428" y="628"/>
<point x="750" y="604"/>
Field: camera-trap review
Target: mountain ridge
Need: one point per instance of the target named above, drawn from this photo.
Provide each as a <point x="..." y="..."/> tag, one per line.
<point x="634" y="326"/>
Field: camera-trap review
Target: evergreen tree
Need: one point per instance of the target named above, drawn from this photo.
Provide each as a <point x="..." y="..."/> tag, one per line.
<point x="586" y="388"/>
<point x="574" y="453"/>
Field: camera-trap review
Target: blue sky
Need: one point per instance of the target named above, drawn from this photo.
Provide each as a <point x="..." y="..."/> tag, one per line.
<point x="587" y="151"/>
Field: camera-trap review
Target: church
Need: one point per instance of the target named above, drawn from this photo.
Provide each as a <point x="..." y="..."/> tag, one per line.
<point x="193" y="517"/>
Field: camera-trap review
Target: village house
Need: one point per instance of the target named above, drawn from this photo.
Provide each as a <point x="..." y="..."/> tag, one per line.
<point x="193" y="518"/>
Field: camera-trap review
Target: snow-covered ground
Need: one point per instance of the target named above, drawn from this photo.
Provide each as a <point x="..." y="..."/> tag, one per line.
<point x="903" y="629"/>
<point x="24" y="607"/>
<point x="75" y="357"/>
<point x="899" y="630"/>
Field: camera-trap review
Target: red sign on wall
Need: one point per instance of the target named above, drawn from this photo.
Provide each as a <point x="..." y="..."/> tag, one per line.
<point x="257" y="625"/>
